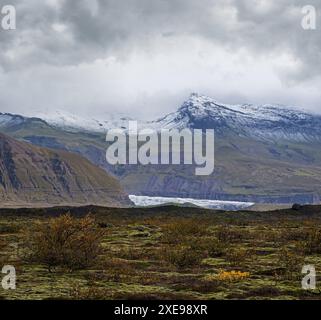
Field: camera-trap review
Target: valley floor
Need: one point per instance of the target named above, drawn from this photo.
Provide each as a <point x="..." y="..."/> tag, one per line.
<point x="174" y="253"/>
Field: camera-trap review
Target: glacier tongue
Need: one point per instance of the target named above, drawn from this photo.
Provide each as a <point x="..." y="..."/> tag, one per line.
<point x="145" y="201"/>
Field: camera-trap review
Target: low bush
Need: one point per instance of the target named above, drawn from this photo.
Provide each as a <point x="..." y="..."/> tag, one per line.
<point x="66" y="242"/>
<point x="312" y="244"/>
<point x="183" y="257"/>
<point x="291" y="263"/>
<point x="9" y="228"/>
<point x="210" y="246"/>
<point x="181" y="230"/>
<point x="229" y="235"/>
<point x="238" y="256"/>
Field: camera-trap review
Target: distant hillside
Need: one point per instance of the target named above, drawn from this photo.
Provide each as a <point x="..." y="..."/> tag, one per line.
<point x="32" y="175"/>
<point x="263" y="153"/>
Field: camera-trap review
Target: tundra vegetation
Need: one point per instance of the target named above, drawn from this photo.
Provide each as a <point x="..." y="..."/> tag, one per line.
<point x="159" y="253"/>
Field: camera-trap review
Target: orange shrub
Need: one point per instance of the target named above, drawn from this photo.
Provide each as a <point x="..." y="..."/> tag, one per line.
<point x="228" y="276"/>
<point x="65" y="241"/>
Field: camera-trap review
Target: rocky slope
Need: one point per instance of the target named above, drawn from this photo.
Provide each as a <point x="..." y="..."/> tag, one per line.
<point x="31" y="175"/>
<point x="267" y="154"/>
<point x="260" y="122"/>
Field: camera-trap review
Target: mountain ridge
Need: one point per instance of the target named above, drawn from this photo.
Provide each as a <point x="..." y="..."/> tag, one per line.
<point x="276" y="159"/>
<point x="34" y="175"/>
<point x="264" y="122"/>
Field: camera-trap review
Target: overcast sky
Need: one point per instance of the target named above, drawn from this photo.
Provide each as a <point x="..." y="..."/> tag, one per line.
<point x="144" y="57"/>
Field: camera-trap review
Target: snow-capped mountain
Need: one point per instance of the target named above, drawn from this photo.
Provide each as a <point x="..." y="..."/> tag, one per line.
<point x="8" y="120"/>
<point x="262" y="122"/>
<point x="72" y="122"/>
<point x="264" y="153"/>
<point x="259" y="121"/>
<point x="66" y="121"/>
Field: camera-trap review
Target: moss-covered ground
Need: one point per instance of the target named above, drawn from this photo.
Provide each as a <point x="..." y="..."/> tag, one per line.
<point x="175" y="253"/>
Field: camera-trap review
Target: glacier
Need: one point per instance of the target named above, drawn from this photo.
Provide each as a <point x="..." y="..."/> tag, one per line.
<point x="145" y="201"/>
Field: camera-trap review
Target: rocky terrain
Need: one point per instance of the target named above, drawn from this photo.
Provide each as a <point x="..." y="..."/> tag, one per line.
<point x="36" y="176"/>
<point x="263" y="153"/>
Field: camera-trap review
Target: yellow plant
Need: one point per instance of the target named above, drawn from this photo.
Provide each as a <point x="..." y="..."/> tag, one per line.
<point x="228" y="276"/>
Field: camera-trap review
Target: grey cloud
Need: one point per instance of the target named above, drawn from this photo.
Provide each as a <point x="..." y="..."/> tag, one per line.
<point x="66" y="33"/>
<point x="102" y="27"/>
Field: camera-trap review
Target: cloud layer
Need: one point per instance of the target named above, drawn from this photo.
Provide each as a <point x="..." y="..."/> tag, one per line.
<point x="143" y="57"/>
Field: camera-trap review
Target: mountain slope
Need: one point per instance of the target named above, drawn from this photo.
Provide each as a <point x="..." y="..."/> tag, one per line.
<point x="260" y="122"/>
<point x="31" y="175"/>
<point x="266" y="153"/>
<point x="269" y="154"/>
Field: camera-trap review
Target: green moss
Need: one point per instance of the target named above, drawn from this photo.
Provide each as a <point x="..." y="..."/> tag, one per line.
<point x="132" y="264"/>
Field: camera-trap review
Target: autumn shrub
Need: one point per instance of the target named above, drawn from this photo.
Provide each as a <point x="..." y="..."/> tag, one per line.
<point x="65" y="242"/>
<point x="182" y="257"/>
<point x="130" y="253"/>
<point x="238" y="256"/>
<point x="9" y="228"/>
<point x="229" y="235"/>
<point x="92" y="292"/>
<point x="228" y="276"/>
<point x="312" y="242"/>
<point x="181" y="230"/>
<point x="210" y="246"/>
<point x="290" y="262"/>
<point x="296" y="234"/>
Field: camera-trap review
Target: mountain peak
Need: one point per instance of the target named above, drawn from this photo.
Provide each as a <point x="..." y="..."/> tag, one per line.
<point x="264" y="122"/>
<point x="202" y="105"/>
<point x="198" y="111"/>
<point x="200" y="98"/>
